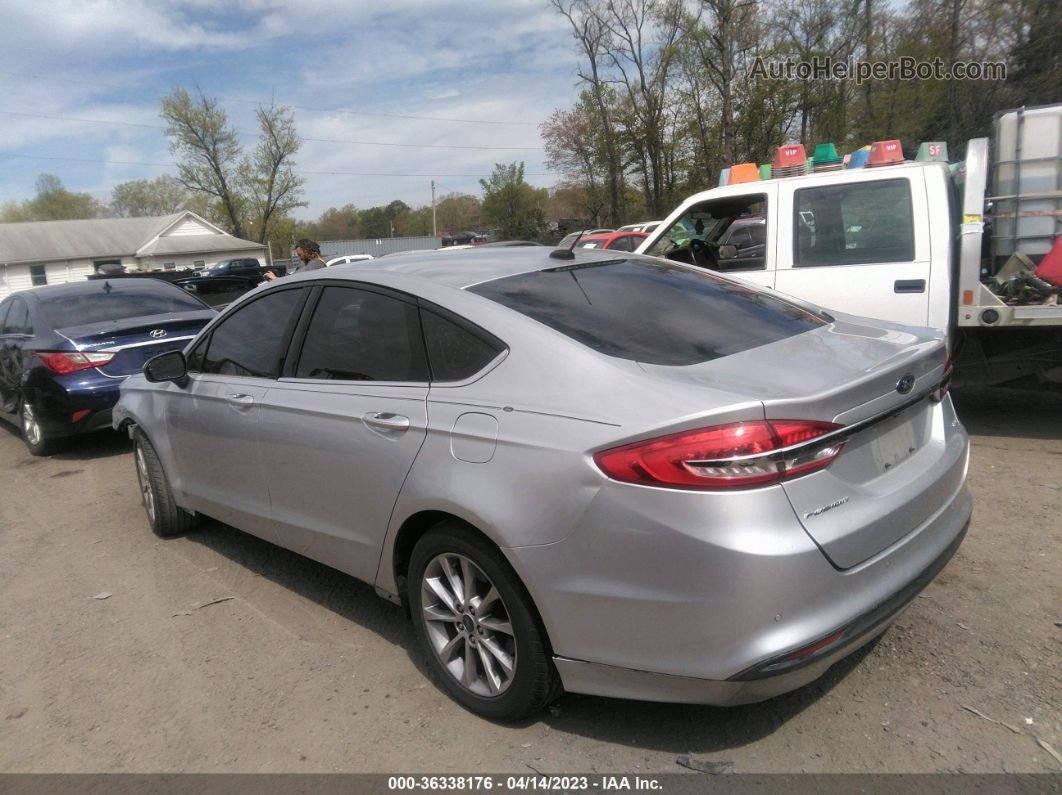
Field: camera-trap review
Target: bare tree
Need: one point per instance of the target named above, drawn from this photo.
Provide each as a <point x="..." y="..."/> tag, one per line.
<point x="590" y="33"/>
<point x="208" y="148"/>
<point x="272" y="186"/>
<point x="260" y="188"/>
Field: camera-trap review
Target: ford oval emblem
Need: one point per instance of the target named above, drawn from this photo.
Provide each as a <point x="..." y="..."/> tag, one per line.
<point x="161" y="332"/>
<point x="905" y="384"/>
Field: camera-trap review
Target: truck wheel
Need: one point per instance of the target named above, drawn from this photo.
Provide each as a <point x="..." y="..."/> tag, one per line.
<point x="165" y="517"/>
<point x="478" y="627"/>
<point x="33" y="434"/>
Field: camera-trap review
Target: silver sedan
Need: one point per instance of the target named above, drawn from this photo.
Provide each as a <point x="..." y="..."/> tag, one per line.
<point x="599" y="473"/>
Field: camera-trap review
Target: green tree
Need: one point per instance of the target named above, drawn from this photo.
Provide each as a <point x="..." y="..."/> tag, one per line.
<point x="457" y="211"/>
<point x="383" y="221"/>
<point x="515" y="208"/>
<point x="143" y="197"/>
<point x="258" y="188"/>
<point x="53" y="202"/>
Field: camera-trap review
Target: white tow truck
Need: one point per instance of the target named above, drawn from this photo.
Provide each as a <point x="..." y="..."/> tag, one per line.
<point x="919" y="242"/>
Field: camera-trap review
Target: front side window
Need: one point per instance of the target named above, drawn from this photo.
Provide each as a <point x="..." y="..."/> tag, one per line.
<point x="649" y="311"/>
<point x="854" y="224"/>
<point x="251" y="341"/>
<point x="362" y="335"/>
<point x="38" y="275"/>
<point x="696" y="236"/>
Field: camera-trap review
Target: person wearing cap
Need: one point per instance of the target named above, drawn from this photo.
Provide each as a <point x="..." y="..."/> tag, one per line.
<point x="309" y="254"/>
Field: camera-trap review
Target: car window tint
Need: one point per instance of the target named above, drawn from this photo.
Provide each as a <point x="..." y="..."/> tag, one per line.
<point x="99" y="306"/>
<point x="649" y="311"/>
<point x="738" y="237"/>
<point x="456" y="352"/>
<point x="854" y="224"/>
<point x="18" y="319"/>
<point x="360" y="335"/>
<point x="250" y="341"/>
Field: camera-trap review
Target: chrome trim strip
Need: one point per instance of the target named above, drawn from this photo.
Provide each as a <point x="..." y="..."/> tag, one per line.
<point x="159" y="341"/>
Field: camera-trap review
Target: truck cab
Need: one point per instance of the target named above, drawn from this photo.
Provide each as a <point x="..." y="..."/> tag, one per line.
<point x="873" y="242"/>
<point x="952" y="247"/>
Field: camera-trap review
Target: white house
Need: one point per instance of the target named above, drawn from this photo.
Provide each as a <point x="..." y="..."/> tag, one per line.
<point x="53" y="252"/>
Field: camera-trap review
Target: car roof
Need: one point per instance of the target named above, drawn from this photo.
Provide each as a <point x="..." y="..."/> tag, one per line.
<point x="465" y="268"/>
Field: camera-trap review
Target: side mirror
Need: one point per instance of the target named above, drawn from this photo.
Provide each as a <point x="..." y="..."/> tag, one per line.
<point x="728" y="251"/>
<point x="169" y="366"/>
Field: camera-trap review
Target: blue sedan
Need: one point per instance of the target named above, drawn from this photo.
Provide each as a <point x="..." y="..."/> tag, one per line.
<point x="65" y="350"/>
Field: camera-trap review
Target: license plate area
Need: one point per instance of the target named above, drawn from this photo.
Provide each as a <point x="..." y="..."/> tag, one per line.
<point x="894" y="446"/>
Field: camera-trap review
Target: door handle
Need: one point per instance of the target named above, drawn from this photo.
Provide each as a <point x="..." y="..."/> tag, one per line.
<point x="386" y="421"/>
<point x="909" y="286"/>
<point x="240" y="401"/>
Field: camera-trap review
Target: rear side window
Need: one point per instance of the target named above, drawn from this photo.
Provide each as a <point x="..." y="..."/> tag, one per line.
<point x="854" y="224"/>
<point x="361" y="335"/>
<point x="250" y="341"/>
<point x="455" y="351"/>
<point x="651" y="312"/>
<point x="106" y="303"/>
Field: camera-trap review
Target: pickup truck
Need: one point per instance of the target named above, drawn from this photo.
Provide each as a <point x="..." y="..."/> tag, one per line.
<point x="247" y="267"/>
<point x="923" y="243"/>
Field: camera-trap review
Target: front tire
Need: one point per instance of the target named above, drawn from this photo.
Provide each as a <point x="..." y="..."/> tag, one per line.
<point x="477" y="626"/>
<point x="164" y="515"/>
<point x="33" y="433"/>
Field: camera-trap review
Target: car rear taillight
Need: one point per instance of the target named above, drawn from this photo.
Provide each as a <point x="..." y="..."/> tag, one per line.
<point x="63" y="363"/>
<point x="739" y="455"/>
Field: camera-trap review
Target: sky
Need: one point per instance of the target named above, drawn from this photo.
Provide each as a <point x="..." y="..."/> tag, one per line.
<point x="387" y="95"/>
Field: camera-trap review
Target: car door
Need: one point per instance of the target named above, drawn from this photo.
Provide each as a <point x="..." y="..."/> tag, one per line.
<point x="214" y="418"/>
<point x="861" y="247"/>
<point x="345" y="423"/>
<point x="15" y="329"/>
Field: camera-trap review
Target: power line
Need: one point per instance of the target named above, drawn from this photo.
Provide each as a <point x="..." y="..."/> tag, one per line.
<point x="247" y="134"/>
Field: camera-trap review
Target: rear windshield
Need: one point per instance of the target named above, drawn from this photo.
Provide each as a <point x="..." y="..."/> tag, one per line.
<point x="651" y="312"/>
<point x="98" y="306"/>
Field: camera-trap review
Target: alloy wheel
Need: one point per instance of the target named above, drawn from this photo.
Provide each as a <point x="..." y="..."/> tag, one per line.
<point x="30" y="427"/>
<point x="468" y="625"/>
<point x="145" y="483"/>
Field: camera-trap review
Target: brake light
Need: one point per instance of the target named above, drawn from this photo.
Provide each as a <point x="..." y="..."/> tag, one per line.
<point x="739" y="455"/>
<point x="64" y="363"/>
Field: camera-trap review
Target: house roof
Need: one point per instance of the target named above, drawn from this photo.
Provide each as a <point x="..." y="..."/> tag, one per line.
<point x="96" y="238"/>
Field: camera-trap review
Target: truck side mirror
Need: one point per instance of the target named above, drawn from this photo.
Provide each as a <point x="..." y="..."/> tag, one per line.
<point x="728" y="251"/>
<point x="169" y="366"/>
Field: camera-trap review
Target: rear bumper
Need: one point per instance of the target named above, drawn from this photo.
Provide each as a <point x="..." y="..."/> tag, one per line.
<point x="752" y="685"/>
<point x="67" y="407"/>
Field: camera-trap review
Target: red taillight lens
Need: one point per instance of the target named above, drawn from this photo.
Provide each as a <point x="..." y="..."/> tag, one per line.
<point x="64" y="363"/>
<point x="739" y="455"/>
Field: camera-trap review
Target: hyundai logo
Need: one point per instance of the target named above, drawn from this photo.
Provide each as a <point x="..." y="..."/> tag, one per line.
<point x="905" y="384"/>
<point x="161" y="332"/>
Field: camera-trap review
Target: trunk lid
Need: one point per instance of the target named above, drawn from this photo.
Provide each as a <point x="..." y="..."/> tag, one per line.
<point x="903" y="464"/>
<point x="135" y="340"/>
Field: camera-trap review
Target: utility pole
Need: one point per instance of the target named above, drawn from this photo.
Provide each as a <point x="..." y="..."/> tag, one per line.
<point x="434" y="233"/>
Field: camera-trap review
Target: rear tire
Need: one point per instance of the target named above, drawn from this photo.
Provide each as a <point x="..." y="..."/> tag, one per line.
<point x="477" y="626"/>
<point x="164" y="515"/>
<point x="33" y="434"/>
